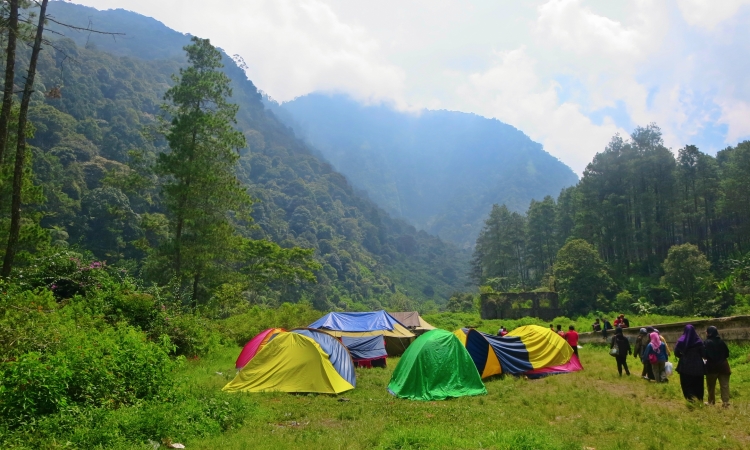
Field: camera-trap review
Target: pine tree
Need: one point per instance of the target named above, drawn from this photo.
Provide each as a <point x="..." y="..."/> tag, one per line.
<point x="202" y="191"/>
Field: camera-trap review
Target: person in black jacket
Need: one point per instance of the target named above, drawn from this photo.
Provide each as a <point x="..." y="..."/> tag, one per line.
<point x="623" y="347"/>
<point x="689" y="350"/>
<point x="717" y="366"/>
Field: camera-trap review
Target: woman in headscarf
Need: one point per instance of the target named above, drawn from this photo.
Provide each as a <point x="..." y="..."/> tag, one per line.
<point x="623" y="350"/>
<point x="657" y="357"/>
<point x="717" y="366"/>
<point x="689" y="350"/>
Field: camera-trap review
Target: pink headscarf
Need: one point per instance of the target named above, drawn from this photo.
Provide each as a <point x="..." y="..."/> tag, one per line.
<point x="655" y="341"/>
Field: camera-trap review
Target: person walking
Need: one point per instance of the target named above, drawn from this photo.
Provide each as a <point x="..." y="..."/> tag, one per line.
<point x="639" y="351"/>
<point x="623" y="350"/>
<point x="689" y="351"/>
<point x="606" y="326"/>
<point x="572" y="338"/>
<point x="560" y="331"/>
<point x="657" y="357"/>
<point x="717" y="366"/>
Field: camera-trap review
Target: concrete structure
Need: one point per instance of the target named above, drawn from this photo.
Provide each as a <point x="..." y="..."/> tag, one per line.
<point x="735" y="328"/>
<point x="515" y="305"/>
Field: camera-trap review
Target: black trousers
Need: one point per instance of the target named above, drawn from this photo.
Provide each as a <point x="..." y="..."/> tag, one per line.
<point x="692" y="386"/>
<point x="647" y="371"/>
<point x="622" y="361"/>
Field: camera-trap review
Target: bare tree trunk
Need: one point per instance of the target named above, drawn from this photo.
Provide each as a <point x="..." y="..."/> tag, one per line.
<point x="15" y="206"/>
<point x="10" y="73"/>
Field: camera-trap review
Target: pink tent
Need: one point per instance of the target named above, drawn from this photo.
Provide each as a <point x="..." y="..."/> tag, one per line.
<point x="574" y="365"/>
<point x="254" y="346"/>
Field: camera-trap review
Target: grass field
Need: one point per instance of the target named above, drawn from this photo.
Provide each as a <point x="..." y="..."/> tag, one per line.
<point x="593" y="409"/>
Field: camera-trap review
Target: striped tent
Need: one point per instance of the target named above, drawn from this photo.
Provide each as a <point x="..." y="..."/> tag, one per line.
<point x="522" y="350"/>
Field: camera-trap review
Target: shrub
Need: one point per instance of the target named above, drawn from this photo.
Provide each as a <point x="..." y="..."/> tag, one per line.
<point x="241" y="328"/>
<point x="190" y="334"/>
<point x="112" y="367"/>
<point x="33" y="386"/>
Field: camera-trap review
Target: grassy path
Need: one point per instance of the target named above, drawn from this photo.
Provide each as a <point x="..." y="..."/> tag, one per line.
<point x="593" y="409"/>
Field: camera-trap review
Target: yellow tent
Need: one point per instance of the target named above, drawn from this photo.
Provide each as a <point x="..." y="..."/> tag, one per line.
<point x="290" y="362"/>
<point x="546" y="348"/>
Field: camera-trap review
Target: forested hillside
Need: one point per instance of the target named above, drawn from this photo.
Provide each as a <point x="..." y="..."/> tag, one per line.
<point x="440" y="170"/>
<point x="643" y="229"/>
<point x="96" y="138"/>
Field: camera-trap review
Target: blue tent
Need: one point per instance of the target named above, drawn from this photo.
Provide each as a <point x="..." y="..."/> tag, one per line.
<point x="337" y="353"/>
<point x="362" y="324"/>
<point x="366" y="350"/>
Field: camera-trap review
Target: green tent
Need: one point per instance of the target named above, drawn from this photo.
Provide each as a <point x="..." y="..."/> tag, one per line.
<point x="435" y="367"/>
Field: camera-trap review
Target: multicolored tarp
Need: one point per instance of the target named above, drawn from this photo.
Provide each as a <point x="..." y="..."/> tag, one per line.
<point x="546" y="348"/>
<point x="481" y="352"/>
<point x="574" y="365"/>
<point x="524" y="349"/>
<point x="337" y="353"/>
<point x="436" y="366"/>
<point x="291" y="362"/>
<point x="255" y="344"/>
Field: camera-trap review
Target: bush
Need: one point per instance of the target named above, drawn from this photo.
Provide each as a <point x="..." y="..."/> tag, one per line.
<point x="33" y="386"/>
<point x="190" y="334"/>
<point x="113" y="367"/>
<point x="241" y="328"/>
<point x="189" y="414"/>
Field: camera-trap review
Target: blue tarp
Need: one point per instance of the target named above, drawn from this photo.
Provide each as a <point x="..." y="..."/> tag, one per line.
<point x="356" y="321"/>
<point x="361" y="348"/>
<point x="337" y="353"/>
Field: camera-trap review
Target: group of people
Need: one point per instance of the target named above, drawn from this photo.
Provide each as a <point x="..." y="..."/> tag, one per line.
<point x="697" y="359"/>
<point x="570" y="336"/>
<point x="603" y="325"/>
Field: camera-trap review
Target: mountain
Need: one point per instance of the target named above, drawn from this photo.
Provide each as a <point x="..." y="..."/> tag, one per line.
<point x="111" y="95"/>
<point x="440" y="170"/>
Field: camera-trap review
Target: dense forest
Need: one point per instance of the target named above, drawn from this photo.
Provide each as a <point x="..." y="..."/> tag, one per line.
<point x="440" y="170"/>
<point x="96" y="143"/>
<point x="639" y="219"/>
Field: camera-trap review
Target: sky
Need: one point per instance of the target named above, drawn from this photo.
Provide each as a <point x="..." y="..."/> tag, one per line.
<point x="569" y="73"/>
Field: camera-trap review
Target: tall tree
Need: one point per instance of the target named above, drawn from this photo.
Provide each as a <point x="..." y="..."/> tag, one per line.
<point x="201" y="187"/>
<point x="581" y="276"/>
<point x="688" y="272"/>
<point x="10" y="73"/>
<point x="20" y="162"/>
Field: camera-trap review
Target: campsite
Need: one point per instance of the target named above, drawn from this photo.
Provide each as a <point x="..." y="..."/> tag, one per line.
<point x="326" y="224"/>
<point x="436" y="398"/>
<point x="593" y="409"/>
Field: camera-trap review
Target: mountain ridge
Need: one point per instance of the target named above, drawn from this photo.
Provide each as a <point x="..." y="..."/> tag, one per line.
<point x="440" y="170"/>
<point x="369" y="260"/>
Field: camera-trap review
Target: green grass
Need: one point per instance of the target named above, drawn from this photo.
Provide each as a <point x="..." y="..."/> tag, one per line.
<point x="590" y="409"/>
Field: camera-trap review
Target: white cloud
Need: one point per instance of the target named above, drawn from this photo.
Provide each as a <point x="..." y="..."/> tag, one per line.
<point x="512" y="92"/>
<point x="709" y="13"/>
<point x="544" y="66"/>
<point x="736" y="115"/>
<point x="291" y="47"/>
<point x="576" y="28"/>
